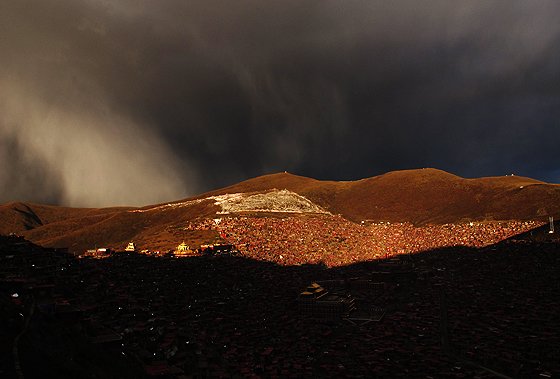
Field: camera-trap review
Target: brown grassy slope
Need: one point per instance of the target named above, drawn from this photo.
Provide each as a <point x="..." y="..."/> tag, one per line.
<point x="398" y="196"/>
<point x="434" y="196"/>
<point x="114" y="230"/>
<point x="18" y="217"/>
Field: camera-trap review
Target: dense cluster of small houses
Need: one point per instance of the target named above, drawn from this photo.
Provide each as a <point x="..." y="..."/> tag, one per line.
<point x="335" y="241"/>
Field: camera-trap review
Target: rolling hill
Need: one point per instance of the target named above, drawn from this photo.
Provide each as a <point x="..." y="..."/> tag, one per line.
<point x="426" y="196"/>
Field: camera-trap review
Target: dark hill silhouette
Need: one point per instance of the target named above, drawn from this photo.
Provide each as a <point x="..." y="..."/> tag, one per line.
<point x="416" y="196"/>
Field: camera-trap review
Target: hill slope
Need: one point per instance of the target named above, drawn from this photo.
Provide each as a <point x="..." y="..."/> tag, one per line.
<point x="426" y="196"/>
<point x="419" y="196"/>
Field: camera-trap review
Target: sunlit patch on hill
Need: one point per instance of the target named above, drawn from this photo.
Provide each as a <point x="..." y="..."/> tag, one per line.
<point x="274" y="201"/>
<point x="282" y="201"/>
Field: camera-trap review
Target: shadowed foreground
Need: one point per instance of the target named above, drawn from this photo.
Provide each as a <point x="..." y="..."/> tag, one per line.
<point x="141" y="316"/>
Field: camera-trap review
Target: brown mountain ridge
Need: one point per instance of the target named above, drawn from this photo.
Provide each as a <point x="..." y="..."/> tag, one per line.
<point x="424" y="196"/>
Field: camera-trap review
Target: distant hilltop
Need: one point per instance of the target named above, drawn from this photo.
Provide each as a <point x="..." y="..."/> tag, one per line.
<point x="420" y="197"/>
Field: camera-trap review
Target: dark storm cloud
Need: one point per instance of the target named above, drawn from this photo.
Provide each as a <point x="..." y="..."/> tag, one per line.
<point x="134" y="102"/>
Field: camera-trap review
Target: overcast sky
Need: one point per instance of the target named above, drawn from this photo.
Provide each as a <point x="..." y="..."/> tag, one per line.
<point x="106" y="102"/>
